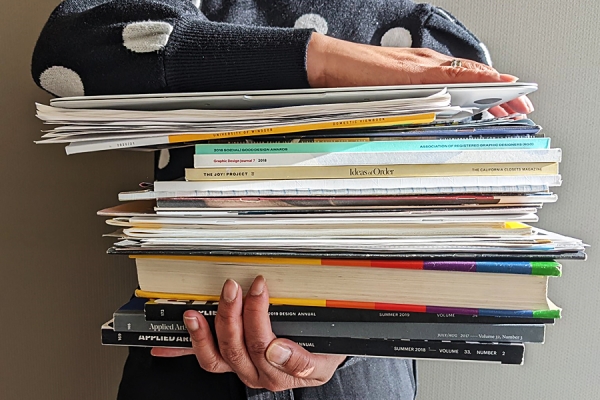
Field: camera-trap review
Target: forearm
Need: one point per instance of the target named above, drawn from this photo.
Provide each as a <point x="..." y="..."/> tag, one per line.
<point x="140" y="46"/>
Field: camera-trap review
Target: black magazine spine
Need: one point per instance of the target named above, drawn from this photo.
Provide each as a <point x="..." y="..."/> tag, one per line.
<point x="489" y="352"/>
<point x="539" y="256"/>
<point x="156" y="311"/>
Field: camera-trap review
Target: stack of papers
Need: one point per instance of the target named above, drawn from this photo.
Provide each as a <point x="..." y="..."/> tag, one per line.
<point x="400" y="199"/>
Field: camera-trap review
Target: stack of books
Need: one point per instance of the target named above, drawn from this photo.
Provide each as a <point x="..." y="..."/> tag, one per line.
<point x="386" y="221"/>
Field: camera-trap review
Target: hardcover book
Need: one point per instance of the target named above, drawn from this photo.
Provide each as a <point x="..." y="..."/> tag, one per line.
<point x="358" y="284"/>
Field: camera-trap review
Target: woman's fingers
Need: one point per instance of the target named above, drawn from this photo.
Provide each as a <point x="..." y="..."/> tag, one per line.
<point x="521" y="105"/>
<point x="281" y="363"/>
<point x="229" y="327"/>
<point x="468" y="71"/>
<point x="498" y="112"/>
<point x="203" y="343"/>
<point x="257" y="324"/>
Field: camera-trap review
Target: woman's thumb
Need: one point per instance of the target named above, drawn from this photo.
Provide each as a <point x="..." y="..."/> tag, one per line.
<point x="291" y="358"/>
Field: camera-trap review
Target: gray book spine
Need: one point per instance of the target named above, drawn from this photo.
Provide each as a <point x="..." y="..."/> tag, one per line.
<point x="415" y="331"/>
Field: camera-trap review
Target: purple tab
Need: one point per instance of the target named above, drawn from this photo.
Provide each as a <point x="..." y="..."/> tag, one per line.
<point x="463" y="266"/>
<point x="452" y="310"/>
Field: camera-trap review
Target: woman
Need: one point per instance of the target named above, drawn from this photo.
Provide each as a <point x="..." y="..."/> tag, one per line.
<point x="91" y="47"/>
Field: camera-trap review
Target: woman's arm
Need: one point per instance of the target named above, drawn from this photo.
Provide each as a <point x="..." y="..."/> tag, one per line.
<point x="91" y="47"/>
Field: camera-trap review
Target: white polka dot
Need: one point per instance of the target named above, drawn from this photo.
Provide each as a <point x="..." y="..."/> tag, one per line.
<point x="486" y="53"/>
<point x="197" y="3"/>
<point x="396" y="37"/>
<point x="146" y="36"/>
<point x="62" y="82"/>
<point x="314" y="21"/>
<point x="164" y="158"/>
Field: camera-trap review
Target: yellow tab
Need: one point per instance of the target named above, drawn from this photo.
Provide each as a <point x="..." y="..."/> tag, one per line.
<point x="515" y="225"/>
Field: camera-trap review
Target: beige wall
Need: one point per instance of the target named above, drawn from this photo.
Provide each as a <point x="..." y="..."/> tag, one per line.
<point x="57" y="286"/>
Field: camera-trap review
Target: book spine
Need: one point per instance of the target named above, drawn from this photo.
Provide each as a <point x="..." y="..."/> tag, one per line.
<point x="369" y="171"/>
<point x="100" y="145"/>
<point x="85" y="147"/>
<point x="466" y="351"/>
<point x="552" y="312"/>
<point x="339" y="186"/>
<point x="542" y="268"/>
<point x="342" y="124"/>
<point x="136" y="322"/>
<point x="373" y="146"/>
<point x="386" y="191"/>
<point x="131" y="247"/>
<point x="287" y="204"/>
<point x="375" y="158"/>
<point x="172" y="310"/>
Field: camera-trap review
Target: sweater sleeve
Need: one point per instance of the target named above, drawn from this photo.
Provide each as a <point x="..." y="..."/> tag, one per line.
<point x="91" y="47"/>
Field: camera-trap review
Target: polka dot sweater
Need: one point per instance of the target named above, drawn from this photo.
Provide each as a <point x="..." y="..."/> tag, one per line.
<point x="91" y="47"/>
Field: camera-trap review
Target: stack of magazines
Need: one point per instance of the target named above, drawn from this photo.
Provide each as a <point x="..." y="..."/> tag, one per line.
<point x="387" y="221"/>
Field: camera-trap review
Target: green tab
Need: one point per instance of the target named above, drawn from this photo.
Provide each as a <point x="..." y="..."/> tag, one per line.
<point x="546" y="268"/>
<point x="553" y="313"/>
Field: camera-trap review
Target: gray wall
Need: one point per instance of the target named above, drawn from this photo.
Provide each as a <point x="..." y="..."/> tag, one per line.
<point x="553" y="43"/>
<point x="57" y="286"/>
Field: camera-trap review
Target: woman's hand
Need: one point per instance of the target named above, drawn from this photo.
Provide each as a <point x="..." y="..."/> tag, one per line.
<point x="337" y="63"/>
<point x="248" y="347"/>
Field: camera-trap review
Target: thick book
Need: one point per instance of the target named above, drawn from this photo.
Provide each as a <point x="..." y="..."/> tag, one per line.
<point x="130" y="319"/>
<point x="505" y="353"/>
<point x="530" y="267"/>
<point x="401" y="146"/>
<point x="357" y="286"/>
<point x="370" y="171"/>
<point x="324" y="159"/>
<point x="172" y="310"/>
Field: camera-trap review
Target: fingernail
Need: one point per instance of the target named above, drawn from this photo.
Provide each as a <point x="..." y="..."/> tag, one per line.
<point x="529" y="104"/>
<point x="278" y="354"/>
<point x="230" y="290"/>
<point x="191" y="323"/>
<point x="509" y="77"/>
<point x="258" y="287"/>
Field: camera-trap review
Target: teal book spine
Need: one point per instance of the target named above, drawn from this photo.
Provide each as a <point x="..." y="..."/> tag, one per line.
<point x="375" y="146"/>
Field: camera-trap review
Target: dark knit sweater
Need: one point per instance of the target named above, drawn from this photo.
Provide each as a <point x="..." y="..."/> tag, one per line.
<point x="148" y="46"/>
<point x="91" y="47"/>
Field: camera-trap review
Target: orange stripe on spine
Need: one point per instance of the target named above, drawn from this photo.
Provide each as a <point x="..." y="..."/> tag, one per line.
<point x="350" y="304"/>
<point x="345" y="263"/>
<point x="400" y="307"/>
<point x="398" y="264"/>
